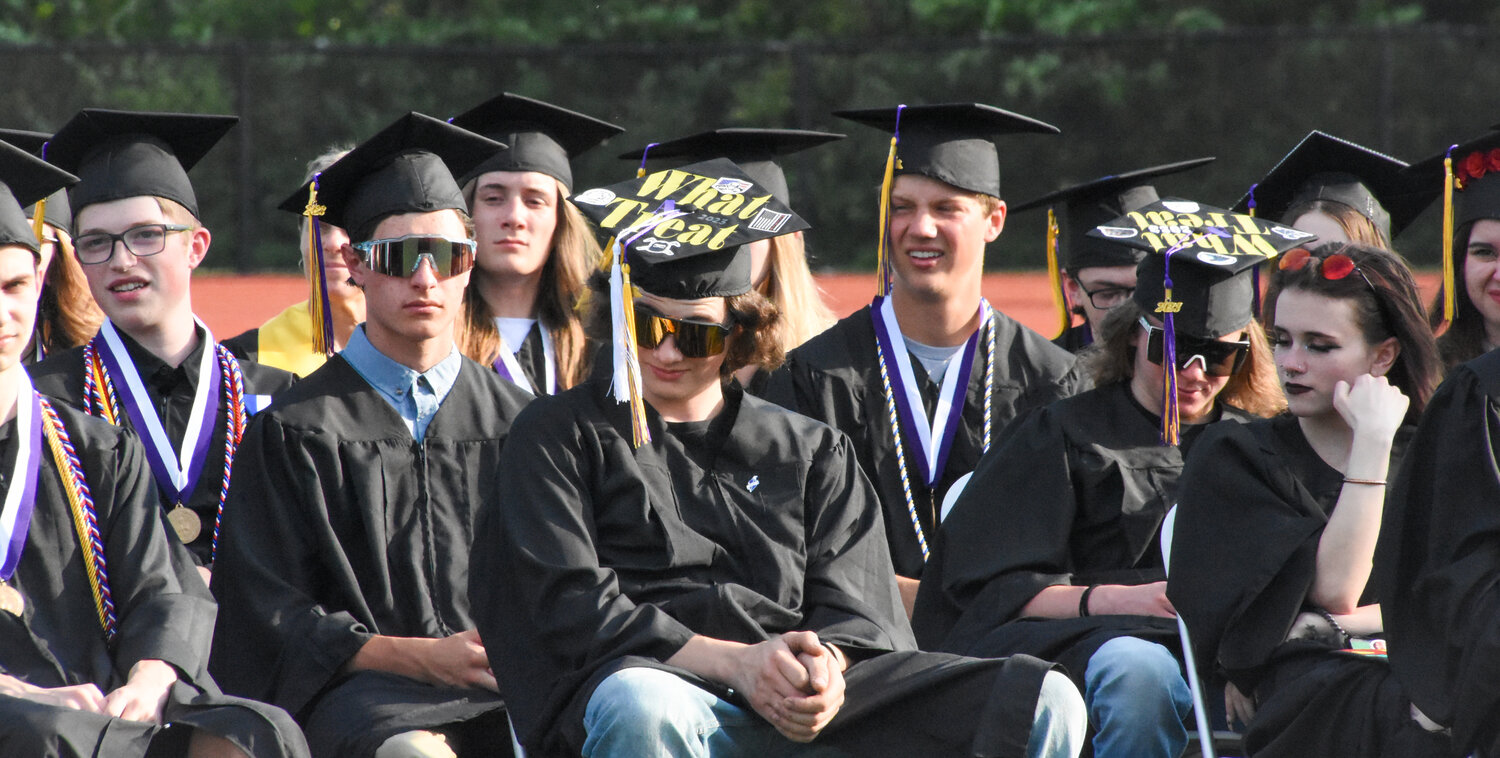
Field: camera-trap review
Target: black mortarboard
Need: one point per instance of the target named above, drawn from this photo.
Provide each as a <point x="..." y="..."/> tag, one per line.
<point x="754" y="150"/>
<point x="1207" y="254"/>
<point x="120" y="154"/>
<point x="1475" y="181"/>
<point x="57" y="213"/>
<point x="408" y="167"/>
<point x="950" y="142"/>
<point x="1085" y="206"/>
<point x="24" y="179"/>
<point x="540" y="136"/>
<point x="1324" y="167"/>
<point x="696" y="252"/>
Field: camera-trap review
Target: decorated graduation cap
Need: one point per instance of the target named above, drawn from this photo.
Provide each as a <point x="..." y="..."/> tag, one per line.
<point x="1468" y="175"/>
<point x="24" y="179"/>
<point x="1325" y="167"/>
<point x="754" y="150"/>
<point x="407" y="167"/>
<point x="1085" y="206"/>
<point x="539" y="136"/>
<point x="677" y="233"/>
<point x="121" y="154"/>
<point x="951" y="142"/>
<point x="55" y="208"/>
<point x="1197" y="276"/>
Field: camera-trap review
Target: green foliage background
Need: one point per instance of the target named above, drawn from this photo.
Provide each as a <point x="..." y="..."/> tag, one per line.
<point x="1130" y="82"/>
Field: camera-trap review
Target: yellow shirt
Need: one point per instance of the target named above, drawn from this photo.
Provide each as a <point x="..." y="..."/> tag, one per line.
<point x="285" y="341"/>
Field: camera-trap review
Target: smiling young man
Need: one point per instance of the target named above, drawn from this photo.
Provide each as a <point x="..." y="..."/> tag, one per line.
<point x="925" y="378"/>
<point x="102" y="650"/>
<point x="344" y="570"/>
<point x="719" y="584"/>
<point x="153" y="365"/>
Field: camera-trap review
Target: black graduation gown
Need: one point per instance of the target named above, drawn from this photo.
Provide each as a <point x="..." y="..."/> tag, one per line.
<point x="1437" y="567"/>
<point x="1074" y="496"/>
<point x="339" y="527"/>
<point x="58" y="641"/>
<point x="245" y="345"/>
<point x="1261" y="487"/>
<point x="1075" y="338"/>
<point x="61" y="376"/>
<point x="601" y="557"/>
<point x="835" y="378"/>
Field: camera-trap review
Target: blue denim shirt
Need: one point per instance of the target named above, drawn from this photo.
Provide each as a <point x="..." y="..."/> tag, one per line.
<point x="415" y="396"/>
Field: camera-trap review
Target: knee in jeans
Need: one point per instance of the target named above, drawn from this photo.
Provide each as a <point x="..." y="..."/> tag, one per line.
<point x="1133" y="665"/>
<point x="641" y="699"/>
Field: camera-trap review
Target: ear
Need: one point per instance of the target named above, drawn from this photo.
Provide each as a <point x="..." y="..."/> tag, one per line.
<point x="198" y="241"/>
<point x="356" y="264"/>
<point x="1384" y="356"/>
<point x="1072" y="288"/>
<point x="995" y="223"/>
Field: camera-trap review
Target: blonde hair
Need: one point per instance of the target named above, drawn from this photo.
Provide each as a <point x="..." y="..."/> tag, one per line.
<point x="1254" y="388"/>
<point x="1357" y="226"/>
<point x="177" y="213"/>
<point x="569" y="261"/>
<point x="790" y="286"/>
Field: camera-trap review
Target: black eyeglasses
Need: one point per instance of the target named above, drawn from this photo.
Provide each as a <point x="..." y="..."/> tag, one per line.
<point x="141" y="241"/>
<point x="402" y="255"/>
<point x="1218" y="358"/>
<point x="694" y="339"/>
<point x="1108" y="296"/>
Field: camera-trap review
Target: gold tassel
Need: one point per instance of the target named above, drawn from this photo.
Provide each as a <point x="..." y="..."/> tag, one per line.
<point x="882" y="254"/>
<point x="39" y="222"/>
<point x="317" y="277"/>
<point x="638" y="427"/>
<point x="1448" y="284"/>
<point x="1054" y="276"/>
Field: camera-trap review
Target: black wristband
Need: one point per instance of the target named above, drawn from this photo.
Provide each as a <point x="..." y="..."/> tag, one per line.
<point x="1083" y="600"/>
<point x="1335" y="624"/>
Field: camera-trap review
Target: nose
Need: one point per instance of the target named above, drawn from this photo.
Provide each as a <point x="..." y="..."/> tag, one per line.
<point x="1291" y="360"/>
<point x="426" y="275"/>
<point x="511" y="215"/>
<point x="1195" y="370"/>
<point x="666" y="351"/>
<point x="120" y="256"/>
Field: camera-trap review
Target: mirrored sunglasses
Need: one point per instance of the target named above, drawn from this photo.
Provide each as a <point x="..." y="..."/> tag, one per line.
<point x="402" y="255"/>
<point x="694" y="339"/>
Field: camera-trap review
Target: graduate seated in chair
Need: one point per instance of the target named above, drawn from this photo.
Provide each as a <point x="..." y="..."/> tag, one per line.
<point x="1053" y="548"/>
<point x="153" y="366"/>
<point x="102" y="648"/>
<point x="1286" y="616"/>
<point x="927" y="377"/>
<point x="344" y="568"/>
<point x="677" y="568"/>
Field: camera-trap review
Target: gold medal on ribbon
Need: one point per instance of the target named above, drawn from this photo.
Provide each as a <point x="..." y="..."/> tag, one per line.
<point x="185" y="523"/>
<point x="11" y="600"/>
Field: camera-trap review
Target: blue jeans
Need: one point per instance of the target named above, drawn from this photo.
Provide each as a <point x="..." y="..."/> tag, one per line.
<point x="1137" y="699"/>
<point x="646" y="713"/>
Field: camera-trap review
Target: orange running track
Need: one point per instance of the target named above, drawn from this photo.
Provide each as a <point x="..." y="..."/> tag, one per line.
<point x="230" y="304"/>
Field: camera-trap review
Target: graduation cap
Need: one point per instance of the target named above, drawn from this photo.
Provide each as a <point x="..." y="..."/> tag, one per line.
<point x="951" y="143"/>
<point x="1085" y="206"/>
<point x="24" y="179"/>
<point x="677" y="233"/>
<point x="120" y="154"/>
<point x="1468" y="175"/>
<point x="754" y="150"/>
<point x="1198" y="276"/>
<point x="1324" y="167"/>
<point x="540" y="136"/>
<point x="55" y="208"/>
<point x="407" y="167"/>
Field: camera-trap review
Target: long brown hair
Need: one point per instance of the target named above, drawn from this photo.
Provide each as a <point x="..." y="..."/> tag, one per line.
<point x="569" y="261"/>
<point x="66" y="314"/>
<point x="1386" y="304"/>
<point x="790" y="286"/>
<point x="1253" y="389"/>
